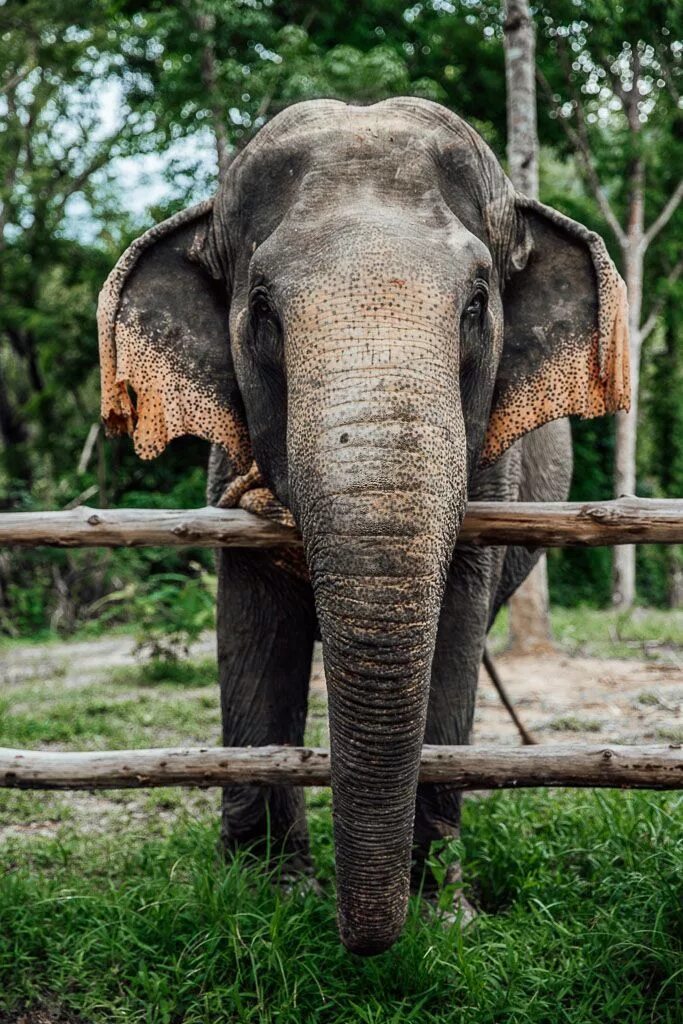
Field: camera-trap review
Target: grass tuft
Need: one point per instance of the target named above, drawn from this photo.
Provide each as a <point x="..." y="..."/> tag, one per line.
<point x="572" y="723"/>
<point x="168" y="672"/>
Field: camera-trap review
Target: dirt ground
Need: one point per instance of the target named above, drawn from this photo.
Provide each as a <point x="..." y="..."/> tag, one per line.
<point x="559" y="697"/>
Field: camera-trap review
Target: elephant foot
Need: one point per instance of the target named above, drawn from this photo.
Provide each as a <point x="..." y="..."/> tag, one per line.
<point x="446" y="901"/>
<point x="299" y="884"/>
<point x="457" y="911"/>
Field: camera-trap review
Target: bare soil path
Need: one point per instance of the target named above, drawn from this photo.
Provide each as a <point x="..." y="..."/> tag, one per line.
<point x="558" y="696"/>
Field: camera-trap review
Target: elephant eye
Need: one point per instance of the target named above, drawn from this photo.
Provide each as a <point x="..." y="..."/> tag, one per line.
<point x="266" y="333"/>
<point x="476" y="307"/>
<point x="260" y="305"/>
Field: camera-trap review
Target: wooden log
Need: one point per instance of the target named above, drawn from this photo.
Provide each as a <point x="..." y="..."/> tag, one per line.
<point x="86" y="527"/>
<point x="569" y="764"/>
<point x="532" y="524"/>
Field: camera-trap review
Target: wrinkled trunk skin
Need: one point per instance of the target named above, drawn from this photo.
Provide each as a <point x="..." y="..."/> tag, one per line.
<point x="378" y="664"/>
<point x="377" y="465"/>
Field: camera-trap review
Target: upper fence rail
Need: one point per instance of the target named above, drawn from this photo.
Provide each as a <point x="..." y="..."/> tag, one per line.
<point x="531" y="524"/>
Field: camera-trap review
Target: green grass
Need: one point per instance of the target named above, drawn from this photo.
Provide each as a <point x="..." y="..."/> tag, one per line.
<point x="99" y="717"/>
<point x="572" y="723"/>
<point x="115" y="906"/>
<point x="639" y="633"/>
<point x="169" y="673"/>
<point x="673" y="735"/>
<point x="581" y="921"/>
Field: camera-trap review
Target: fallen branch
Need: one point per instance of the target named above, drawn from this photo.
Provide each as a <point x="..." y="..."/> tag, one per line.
<point x="568" y="764"/>
<point x="532" y="524"/>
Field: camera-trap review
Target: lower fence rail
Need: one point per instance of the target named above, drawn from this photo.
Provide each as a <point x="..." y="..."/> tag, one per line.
<point x="494" y="767"/>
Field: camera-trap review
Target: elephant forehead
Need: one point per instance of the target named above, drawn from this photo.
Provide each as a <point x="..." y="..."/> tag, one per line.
<point x="420" y="124"/>
<point x="367" y="255"/>
<point x="370" y="298"/>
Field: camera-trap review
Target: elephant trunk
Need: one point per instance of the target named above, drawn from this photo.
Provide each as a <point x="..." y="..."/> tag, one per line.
<point x="378" y="485"/>
<point x="378" y="638"/>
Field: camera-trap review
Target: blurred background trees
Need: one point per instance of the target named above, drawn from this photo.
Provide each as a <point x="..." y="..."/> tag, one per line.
<point x="114" y="114"/>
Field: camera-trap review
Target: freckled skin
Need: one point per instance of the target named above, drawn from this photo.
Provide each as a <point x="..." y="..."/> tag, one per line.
<point x="370" y="313"/>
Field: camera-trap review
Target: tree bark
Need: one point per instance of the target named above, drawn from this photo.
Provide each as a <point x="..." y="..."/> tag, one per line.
<point x="520" y="78"/>
<point x="624" y="564"/>
<point x="530" y="628"/>
<point x="566" y="764"/>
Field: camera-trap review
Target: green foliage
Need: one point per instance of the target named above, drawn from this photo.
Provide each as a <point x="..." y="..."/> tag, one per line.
<point x="170" y="611"/>
<point x="582" y="575"/>
<point x="181" y="74"/>
<point x="91" y="589"/>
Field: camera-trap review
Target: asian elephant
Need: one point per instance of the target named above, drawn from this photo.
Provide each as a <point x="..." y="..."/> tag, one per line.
<point x="371" y="326"/>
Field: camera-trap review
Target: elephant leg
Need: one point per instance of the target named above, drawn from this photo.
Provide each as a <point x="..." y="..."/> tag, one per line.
<point x="266" y="627"/>
<point x="455" y="671"/>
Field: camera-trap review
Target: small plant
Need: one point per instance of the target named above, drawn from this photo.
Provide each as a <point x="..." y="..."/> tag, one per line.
<point x="673" y="735"/>
<point x="445" y="856"/>
<point x="648" y="697"/>
<point x="172" y="611"/>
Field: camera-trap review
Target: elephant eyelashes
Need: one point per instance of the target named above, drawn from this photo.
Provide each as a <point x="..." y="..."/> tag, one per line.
<point x="472" y="326"/>
<point x="259" y="302"/>
<point x="476" y="307"/>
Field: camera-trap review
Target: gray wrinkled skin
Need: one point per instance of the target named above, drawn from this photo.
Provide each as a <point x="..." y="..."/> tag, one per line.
<point x="370" y="311"/>
<point x="368" y="252"/>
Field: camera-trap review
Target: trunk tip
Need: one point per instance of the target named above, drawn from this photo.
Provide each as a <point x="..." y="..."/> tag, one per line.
<point x="369" y="938"/>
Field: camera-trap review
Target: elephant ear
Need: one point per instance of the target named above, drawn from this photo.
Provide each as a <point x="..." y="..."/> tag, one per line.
<point x="565" y="349"/>
<point x="163" y="334"/>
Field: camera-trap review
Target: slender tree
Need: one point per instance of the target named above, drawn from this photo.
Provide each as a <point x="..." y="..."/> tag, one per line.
<point x="530" y="628"/>
<point x="612" y="84"/>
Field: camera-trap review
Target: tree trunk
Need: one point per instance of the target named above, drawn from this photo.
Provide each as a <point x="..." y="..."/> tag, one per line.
<point x="206" y="22"/>
<point x="529" y="606"/>
<point x="624" y="571"/>
<point x="529" y="625"/>
<point x="520" y="71"/>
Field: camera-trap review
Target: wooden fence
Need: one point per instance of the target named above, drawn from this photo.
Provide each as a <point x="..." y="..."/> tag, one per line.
<point x="624" y="521"/>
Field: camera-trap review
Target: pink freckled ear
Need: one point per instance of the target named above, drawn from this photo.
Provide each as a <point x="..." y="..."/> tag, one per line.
<point x="566" y="331"/>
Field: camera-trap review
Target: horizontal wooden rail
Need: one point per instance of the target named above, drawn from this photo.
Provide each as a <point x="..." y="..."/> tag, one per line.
<point x="570" y="764"/>
<point x="533" y="524"/>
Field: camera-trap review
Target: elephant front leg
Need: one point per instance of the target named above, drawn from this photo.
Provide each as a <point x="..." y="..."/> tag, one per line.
<point x="455" y="672"/>
<point x="266" y="630"/>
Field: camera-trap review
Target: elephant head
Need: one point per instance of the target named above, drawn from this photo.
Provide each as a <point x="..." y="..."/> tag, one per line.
<point x="370" y="311"/>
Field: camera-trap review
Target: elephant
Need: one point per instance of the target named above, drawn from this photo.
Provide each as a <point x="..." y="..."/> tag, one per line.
<point x="372" y="328"/>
